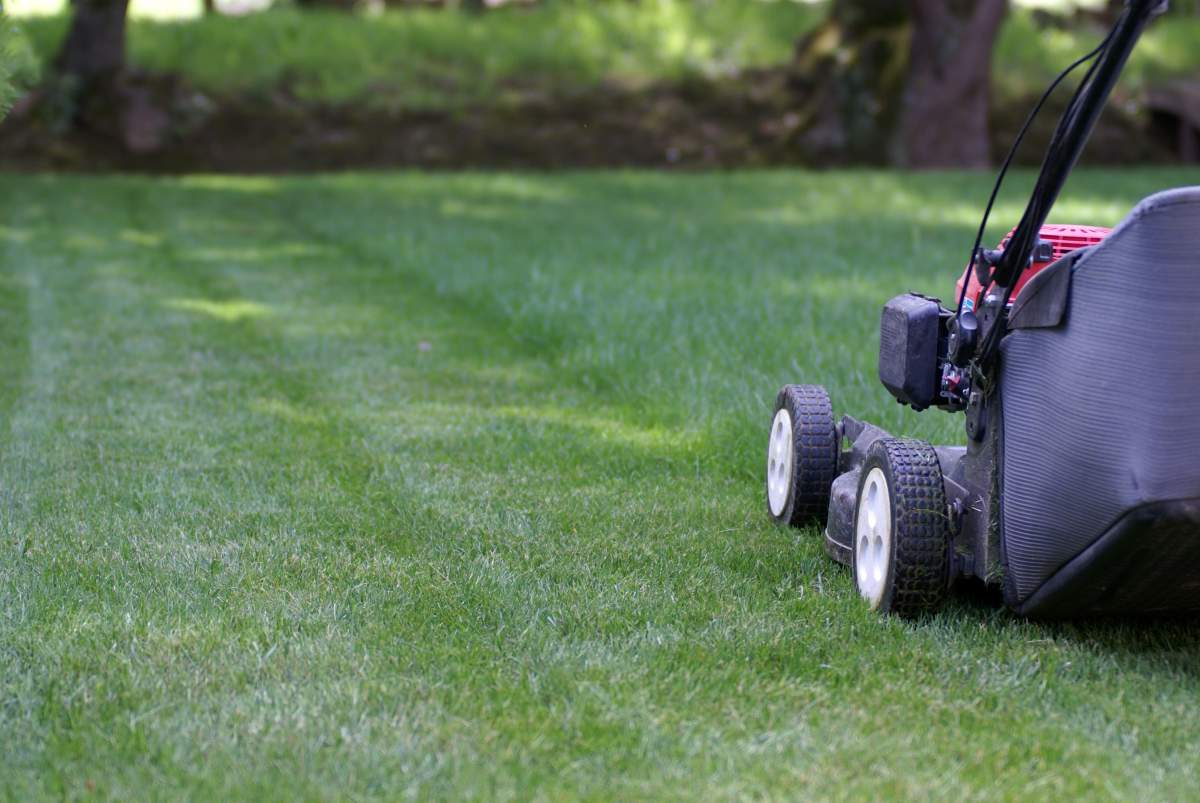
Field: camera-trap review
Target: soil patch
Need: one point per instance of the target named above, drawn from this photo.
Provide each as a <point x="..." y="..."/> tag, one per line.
<point x="747" y="122"/>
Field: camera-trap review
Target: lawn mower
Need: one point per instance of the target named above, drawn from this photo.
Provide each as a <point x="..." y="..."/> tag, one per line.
<point x="1073" y="354"/>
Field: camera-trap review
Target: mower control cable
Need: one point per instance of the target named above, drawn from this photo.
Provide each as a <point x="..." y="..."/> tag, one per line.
<point x="978" y="254"/>
<point x="1070" y="136"/>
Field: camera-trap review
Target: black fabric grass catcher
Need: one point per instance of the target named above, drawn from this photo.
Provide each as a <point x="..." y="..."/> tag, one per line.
<point x="1099" y="459"/>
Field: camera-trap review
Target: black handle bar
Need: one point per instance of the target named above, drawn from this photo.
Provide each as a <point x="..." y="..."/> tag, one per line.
<point x="1071" y="135"/>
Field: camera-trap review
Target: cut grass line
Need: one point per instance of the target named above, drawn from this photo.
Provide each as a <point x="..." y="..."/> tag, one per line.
<point x="264" y="544"/>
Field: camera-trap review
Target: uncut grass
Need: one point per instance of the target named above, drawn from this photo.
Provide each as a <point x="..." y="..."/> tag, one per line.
<point x="441" y="60"/>
<point x="449" y="485"/>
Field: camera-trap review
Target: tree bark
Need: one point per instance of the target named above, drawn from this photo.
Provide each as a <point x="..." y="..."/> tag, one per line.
<point x="98" y="92"/>
<point x="945" y="113"/>
<point x="94" y="48"/>
<point x="333" y="5"/>
<point x="902" y="83"/>
<point x="848" y="75"/>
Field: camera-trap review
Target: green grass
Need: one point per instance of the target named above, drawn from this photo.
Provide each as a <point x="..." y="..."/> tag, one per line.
<point x="450" y="486"/>
<point x="444" y="60"/>
<point x="439" y="59"/>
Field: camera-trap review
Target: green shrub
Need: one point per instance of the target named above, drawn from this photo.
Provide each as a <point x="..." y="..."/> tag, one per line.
<point x="19" y="64"/>
<point x="6" y="87"/>
<point x="1028" y="57"/>
<point x="426" y="58"/>
<point x="442" y="59"/>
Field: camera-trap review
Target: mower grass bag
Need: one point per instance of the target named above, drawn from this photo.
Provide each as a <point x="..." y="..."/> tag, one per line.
<point x="1099" y="447"/>
<point x="1074" y="355"/>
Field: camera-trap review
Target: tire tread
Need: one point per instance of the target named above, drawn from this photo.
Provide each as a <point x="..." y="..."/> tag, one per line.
<point x="815" y="442"/>
<point x="920" y="542"/>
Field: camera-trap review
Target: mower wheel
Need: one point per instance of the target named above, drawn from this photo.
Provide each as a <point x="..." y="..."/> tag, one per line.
<point x="901" y="557"/>
<point x="802" y="455"/>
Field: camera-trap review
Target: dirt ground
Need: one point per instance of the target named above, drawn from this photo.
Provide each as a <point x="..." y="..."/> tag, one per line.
<point x="747" y="123"/>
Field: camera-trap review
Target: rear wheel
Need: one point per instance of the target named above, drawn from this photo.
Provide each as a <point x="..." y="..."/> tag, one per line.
<point x="901" y="558"/>
<point x="802" y="455"/>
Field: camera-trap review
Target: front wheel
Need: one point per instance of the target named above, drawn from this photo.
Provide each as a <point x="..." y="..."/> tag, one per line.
<point x="901" y="558"/>
<point x="802" y="455"/>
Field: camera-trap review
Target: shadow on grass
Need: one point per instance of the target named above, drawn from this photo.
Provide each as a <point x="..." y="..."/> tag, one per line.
<point x="1171" y="642"/>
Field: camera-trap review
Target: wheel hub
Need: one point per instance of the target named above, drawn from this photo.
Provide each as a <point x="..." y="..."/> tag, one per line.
<point x="873" y="537"/>
<point x="779" y="461"/>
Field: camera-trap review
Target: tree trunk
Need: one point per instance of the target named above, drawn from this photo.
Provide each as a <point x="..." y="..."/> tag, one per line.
<point x="210" y="7"/>
<point x="848" y="75"/>
<point x="96" y="90"/>
<point x="903" y="83"/>
<point x="334" y="5"/>
<point x="94" y="48"/>
<point x="945" y="116"/>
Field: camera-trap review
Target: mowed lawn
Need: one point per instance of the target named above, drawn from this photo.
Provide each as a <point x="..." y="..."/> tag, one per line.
<point x="449" y="486"/>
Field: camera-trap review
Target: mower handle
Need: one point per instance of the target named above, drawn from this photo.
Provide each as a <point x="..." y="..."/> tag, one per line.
<point x="1072" y="134"/>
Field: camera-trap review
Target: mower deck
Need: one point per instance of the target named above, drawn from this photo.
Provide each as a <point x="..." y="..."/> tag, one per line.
<point x="965" y="479"/>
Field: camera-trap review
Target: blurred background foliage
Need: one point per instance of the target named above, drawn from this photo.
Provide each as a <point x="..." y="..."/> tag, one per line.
<point x="419" y="56"/>
<point x="700" y="81"/>
<point x="20" y="66"/>
<point x="424" y="57"/>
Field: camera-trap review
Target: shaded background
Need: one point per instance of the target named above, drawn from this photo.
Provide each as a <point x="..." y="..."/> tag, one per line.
<point x="255" y="85"/>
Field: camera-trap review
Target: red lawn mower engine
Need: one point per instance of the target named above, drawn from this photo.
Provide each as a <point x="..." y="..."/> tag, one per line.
<point x="1055" y="241"/>
<point x="914" y="335"/>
